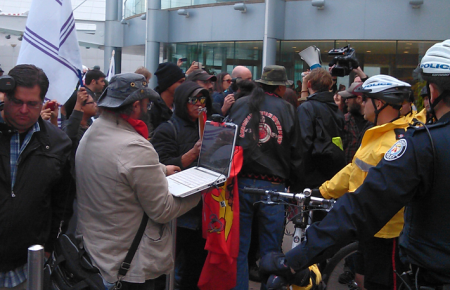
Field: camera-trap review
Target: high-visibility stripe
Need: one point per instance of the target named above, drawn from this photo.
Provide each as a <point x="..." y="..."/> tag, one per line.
<point x="363" y="165"/>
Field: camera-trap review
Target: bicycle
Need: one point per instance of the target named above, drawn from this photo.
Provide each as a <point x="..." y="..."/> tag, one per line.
<point x="307" y="204"/>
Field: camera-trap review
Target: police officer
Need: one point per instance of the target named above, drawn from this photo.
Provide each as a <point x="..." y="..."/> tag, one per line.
<point x="413" y="173"/>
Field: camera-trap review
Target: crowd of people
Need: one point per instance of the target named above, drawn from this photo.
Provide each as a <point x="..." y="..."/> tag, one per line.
<point x="103" y="173"/>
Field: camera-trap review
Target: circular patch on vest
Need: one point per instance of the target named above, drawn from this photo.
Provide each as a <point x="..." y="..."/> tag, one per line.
<point x="396" y="151"/>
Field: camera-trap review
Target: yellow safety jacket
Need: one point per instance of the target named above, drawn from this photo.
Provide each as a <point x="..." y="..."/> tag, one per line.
<point x="421" y="116"/>
<point x="376" y="141"/>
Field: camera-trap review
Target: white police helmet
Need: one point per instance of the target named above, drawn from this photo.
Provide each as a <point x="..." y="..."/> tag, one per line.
<point x="436" y="61"/>
<point x="386" y="88"/>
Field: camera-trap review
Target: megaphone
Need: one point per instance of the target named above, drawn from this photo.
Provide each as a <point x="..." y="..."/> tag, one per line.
<point x="311" y="55"/>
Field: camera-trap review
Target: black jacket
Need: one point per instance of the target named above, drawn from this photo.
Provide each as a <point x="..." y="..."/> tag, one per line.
<point x="173" y="139"/>
<point x="32" y="216"/>
<point x="277" y="152"/>
<point x="158" y="113"/>
<point x="408" y="175"/>
<point x="320" y="120"/>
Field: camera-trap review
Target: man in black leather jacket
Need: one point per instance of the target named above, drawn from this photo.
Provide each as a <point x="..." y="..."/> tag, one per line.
<point x="268" y="133"/>
<point x="34" y="177"/>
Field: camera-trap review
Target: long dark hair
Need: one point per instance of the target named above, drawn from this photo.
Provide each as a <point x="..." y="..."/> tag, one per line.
<point x="256" y="99"/>
<point x="218" y="85"/>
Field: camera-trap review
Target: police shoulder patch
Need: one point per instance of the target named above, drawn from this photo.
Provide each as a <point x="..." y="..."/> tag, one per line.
<point x="396" y="150"/>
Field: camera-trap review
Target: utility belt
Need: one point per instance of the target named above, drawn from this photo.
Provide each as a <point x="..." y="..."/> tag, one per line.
<point x="412" y="281"/>
<point x="265" y="177"/>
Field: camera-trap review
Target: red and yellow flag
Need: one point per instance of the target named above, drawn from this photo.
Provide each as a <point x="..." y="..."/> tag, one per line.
<point x="221" y="230"/>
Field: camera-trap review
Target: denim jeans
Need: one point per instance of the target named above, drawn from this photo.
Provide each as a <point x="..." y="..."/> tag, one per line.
<point x="270" y="225"/>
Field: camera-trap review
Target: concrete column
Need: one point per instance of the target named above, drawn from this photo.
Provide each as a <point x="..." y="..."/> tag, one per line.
<point x="112" y="16"/>
<point x="224" y="58"/>
<point x="151" y="43"/>
<point x="269" y="41"/>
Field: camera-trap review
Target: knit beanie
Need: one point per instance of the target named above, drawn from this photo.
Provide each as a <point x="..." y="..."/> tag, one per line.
<point x="167" y="74"/>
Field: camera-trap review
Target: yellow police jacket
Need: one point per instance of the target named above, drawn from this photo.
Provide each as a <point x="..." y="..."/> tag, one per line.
<point x="376" y="141"/>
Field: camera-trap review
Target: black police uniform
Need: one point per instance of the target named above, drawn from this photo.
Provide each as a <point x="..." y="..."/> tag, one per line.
<point x="407" y="175"/>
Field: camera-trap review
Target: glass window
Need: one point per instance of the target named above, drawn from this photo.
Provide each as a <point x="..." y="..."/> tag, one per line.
<point x="166" y="4"/>
<point x="133" y="7"/>
<point x="217" y="56"/>
<point x="395" y="58"/>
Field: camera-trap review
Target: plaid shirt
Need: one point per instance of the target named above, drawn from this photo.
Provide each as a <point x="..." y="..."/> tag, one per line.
<point x="353" y="135"/>
<point x="19" y="275"/>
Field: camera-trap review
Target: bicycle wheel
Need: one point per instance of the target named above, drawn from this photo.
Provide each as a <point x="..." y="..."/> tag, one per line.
<point x="335" y="267"/>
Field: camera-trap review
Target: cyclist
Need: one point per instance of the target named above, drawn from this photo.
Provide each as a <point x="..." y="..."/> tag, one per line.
<point x="383" y="98"/>
<point x="413" y="173"/>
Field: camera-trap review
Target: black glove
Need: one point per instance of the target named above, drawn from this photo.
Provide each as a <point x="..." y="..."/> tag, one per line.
<point x="275" y="272"/>
<point x="316" y="192"/>
<point x="276" y="283"/>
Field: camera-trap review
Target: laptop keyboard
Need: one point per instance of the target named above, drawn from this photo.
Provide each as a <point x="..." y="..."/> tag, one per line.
<point x="192" y="178"/>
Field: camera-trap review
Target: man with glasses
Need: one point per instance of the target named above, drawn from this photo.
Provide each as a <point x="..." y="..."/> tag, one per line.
<point x="177" y="142"/>
<point x="34" y="177"/>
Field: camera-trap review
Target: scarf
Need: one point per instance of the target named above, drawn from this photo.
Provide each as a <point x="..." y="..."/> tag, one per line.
<point x="138" y="125"/>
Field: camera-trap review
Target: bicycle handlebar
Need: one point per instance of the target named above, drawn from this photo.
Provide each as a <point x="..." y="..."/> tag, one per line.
<point x="301" y="197"/>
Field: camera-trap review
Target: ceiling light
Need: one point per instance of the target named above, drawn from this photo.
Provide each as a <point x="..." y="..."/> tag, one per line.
<point x="320" y="4"/>
<point x="415" y="3"/>
<point x="183" y="12"/>
<point x="240" y="7"/>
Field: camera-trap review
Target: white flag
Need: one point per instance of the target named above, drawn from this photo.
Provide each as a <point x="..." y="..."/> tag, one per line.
<point x="112" y="68"/>
<point x="50" y="43"/>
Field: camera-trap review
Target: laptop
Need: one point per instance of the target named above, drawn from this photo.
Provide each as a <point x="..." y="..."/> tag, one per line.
<point x="214" y="163"/>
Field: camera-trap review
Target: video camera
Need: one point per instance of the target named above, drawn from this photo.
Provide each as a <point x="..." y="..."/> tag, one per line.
<point x="7" y="83"/>
<point x="344" y="61"/>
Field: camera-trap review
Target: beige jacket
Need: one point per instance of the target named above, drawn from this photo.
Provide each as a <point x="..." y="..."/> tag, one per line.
<point x="118" y="178"/>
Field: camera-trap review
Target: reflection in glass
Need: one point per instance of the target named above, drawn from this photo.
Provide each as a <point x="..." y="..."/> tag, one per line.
<point x="217" y="56"/>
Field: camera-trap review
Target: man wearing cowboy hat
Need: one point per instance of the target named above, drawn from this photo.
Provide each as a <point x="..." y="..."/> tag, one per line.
<point x="119" y="178"/>
<point x="268" y="133"/>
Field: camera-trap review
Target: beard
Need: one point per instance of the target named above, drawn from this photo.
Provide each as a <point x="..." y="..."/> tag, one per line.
<point x="355" y="109"/>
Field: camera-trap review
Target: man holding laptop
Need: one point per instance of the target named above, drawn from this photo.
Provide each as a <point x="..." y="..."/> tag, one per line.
<point x="177" y="142"/>
<point x="119" y="178"/>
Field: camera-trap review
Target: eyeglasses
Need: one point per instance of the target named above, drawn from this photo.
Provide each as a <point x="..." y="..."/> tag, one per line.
<point x="228" y="81"/>
<point x="194" y="100"/>
<point x="207" y="82"/>
<point x="19" y="103"/>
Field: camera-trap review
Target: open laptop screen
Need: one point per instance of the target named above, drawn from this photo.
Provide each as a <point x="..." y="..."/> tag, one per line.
<point x="218" y="146"/>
